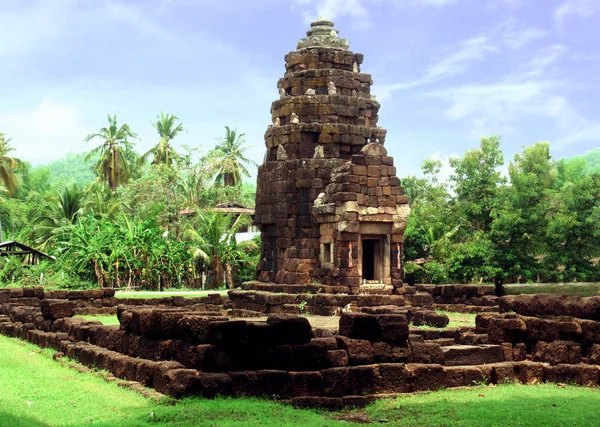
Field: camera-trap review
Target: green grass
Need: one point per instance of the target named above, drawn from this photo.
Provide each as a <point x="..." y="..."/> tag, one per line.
<point x="456" y="320"/>
<point x="36" y="391"/>
<point x="581" y="289"/>
<point x="505" y="405"/>
<point x="105" y="319"/>
<point x="153" y="294"/>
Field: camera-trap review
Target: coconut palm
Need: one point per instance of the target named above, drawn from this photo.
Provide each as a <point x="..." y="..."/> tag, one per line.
<point x="214" y="244"/>
<point x="226" y="161"/>
<point x="64" y="210"/>
<point x="114" y="165"/>
<point x="8" y="165"/>
<point x="163" y="152"/>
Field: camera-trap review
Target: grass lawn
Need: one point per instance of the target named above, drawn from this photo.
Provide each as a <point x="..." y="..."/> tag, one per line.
<point x="153" y="294"/>
<point x="36" y="391"/>
<point x="105" y="319"/>
<point x="456" y="320"/>
<point x="581" y="289"/>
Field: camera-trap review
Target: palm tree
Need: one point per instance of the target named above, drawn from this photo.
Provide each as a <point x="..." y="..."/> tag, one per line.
<point x="113" y="166"/>
<point x="214" y="244"/>
<point x="227" y="160"/>
<point x="64" y="210"/>
<point x="101" y="203"/>
<point x="163" y="152"/>
<point x="8" y="165"/>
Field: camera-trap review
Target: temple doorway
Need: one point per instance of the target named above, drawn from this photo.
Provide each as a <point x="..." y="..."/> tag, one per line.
<point x="372" y="259"/>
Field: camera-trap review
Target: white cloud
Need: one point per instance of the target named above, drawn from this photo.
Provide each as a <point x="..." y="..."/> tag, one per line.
<point x="515" y="34"/>
<point x="356" y="9"/>
<point x="45" y="133"/>
<point x="134" y="18"/>
<point x="508" y="35"/>
<point x="531" y="91"/>
<point x="451" y="65"/>
<point x="25" y="30"/>
<point x="331" y="9"/>
<point x="577" y="8"/>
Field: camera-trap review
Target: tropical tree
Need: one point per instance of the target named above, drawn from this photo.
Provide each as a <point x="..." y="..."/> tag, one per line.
<point x="63" y="210"/>
<point x="114" y="164"/>
<point x="214" y="246"/>
<point x="163" y="151"/>
<point x="477" y="180"/>
<point x="8" y="165"/>
<point x="227" y="161"/>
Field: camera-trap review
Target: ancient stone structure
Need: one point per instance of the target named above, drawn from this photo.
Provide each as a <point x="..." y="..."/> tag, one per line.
<point x="194" y="349"/>
<point x="331" y="210"/>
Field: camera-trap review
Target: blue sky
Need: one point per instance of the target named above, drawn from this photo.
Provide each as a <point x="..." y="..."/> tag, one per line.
<point x="446" y="72"/>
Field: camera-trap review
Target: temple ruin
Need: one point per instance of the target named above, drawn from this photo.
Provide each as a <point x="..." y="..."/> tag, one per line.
<point x="329" y="205"/>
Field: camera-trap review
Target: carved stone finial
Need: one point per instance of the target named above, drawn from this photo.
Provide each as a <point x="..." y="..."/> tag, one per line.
<point x="294" y="119"/>
<point x="355" y="67"/>
<point x="277" y="122"/>
<point x="319" y="152"/>
<point x="322" y="34"/>
<point x="310" y="92"/>
<point x="281" y="92"/>
<point x="353" y="92"/>
<point x="331" y="89"/>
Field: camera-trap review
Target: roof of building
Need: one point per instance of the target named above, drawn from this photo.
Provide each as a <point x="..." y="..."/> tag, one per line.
<point x="13" y="247"/>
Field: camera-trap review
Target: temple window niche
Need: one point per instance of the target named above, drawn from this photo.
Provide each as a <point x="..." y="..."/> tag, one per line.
<point x="326" y="255"/>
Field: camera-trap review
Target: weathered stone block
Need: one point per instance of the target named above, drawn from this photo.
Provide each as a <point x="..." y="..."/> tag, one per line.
<point x="56" y="309"/>
<point x="457" y="355"/>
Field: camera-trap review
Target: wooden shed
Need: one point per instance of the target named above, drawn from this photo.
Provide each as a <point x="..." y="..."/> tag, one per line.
<point x="29" y="255"/>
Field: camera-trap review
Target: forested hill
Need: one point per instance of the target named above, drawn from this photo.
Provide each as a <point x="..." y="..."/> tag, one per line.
<point x="70" y="169"/>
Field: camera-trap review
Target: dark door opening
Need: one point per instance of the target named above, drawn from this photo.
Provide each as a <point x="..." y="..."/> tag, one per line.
<point x="368" y="259"/>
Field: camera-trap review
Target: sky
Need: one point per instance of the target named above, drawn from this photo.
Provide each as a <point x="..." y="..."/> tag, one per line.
<point x="447" y="72"/>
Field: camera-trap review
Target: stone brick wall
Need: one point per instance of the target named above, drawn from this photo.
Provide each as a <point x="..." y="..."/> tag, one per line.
<point x="183" y="352"/>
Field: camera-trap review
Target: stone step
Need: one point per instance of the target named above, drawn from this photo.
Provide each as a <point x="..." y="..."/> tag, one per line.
<point x="456" y="355"/>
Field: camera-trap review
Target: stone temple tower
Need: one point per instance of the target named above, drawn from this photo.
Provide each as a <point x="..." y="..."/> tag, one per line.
<point x="329" y="205"/>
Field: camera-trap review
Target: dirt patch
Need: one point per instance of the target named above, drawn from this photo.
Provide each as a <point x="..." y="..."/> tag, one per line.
<point x="359" y="417"/>
<point x="329" y="323"/>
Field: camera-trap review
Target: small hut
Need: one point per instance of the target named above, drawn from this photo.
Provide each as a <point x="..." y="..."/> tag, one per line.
<point x="29" y="255"/>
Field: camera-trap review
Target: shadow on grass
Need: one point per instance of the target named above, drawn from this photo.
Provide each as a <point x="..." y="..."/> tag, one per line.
<point x="7" y="419"/>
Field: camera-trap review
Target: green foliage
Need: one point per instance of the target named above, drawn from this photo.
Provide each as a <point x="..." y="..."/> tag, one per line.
<point x="163" y="152"/>
<point x="249" y="257"/>
<point x="227" y="161"/>
<point x="105" y="233"/>
<point x="476" y="181"/>
<point x="541" y="225"/>
<point x="214" y="247"/>
<point x="8" y="165"/>
<point x="116" y="154"/>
